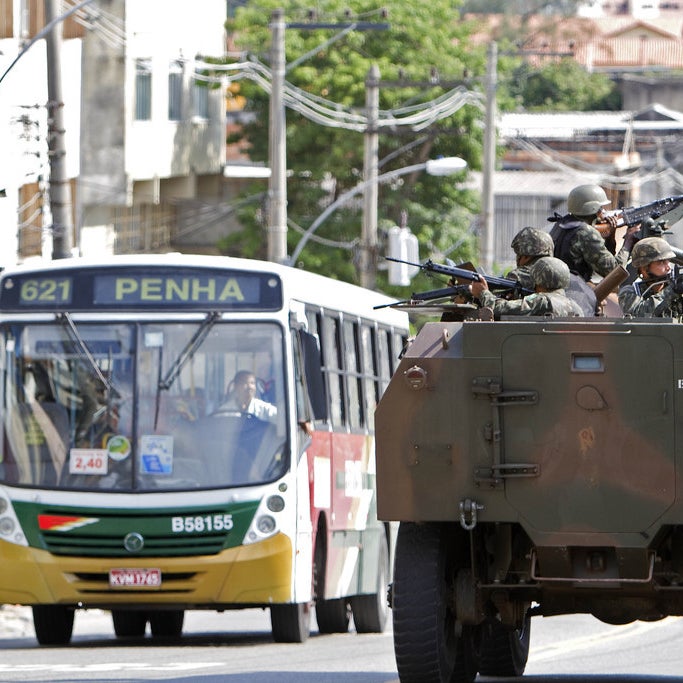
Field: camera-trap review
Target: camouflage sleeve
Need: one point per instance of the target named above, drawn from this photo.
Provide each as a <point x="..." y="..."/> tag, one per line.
<point x="521" y="275"/>
<point x="634" y="305"/>
<point x="590" y="247"/>
<point x="505" y="306"/>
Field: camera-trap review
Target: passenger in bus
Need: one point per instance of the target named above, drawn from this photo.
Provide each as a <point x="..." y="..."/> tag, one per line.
<point x="550" y="277"/>
<point x="241" y="397"/>
<point x="653" y="294"/>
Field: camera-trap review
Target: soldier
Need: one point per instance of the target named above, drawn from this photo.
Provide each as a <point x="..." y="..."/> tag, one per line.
<point x="579" y="244"/>
<point x="654" y="293"/>
<point x="550" y="277"/>
<point x="531" y="244"/>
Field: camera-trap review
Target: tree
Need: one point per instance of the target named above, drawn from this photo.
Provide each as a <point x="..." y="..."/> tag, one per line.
<point x="423" y="40"/>
<point x="562" y="86"/>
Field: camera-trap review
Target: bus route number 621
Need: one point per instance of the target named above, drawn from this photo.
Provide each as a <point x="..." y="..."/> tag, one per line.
<point x="197" y="524"/>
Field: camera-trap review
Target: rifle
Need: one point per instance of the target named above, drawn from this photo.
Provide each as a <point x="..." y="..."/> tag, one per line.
<point x="671" y="207"/>
<point x="431" y="295"/>
<point x="463" y="274"/>
<point x="674" y="278"/>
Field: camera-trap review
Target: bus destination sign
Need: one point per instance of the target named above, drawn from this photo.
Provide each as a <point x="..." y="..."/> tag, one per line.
<point x="146" y="288"/>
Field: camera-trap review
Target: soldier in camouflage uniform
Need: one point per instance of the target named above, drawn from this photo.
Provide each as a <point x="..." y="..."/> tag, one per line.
<point x="531" y="244"/>
<point x="550" y="277"/>
<point x="658" y="299"/>
<point x="578" y="243"/>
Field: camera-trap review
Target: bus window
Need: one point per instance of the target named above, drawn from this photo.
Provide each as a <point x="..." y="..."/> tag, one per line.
<point x="369" y="369"/>
<point x="353" y="381"/>
<point x="332" y="357"/>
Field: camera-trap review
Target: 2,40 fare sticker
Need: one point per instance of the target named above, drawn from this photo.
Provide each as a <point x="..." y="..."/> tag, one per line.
<point x="88" y="461"/>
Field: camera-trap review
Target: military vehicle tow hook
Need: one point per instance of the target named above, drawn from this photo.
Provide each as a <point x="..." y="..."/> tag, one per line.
<point x="468" y="513"/>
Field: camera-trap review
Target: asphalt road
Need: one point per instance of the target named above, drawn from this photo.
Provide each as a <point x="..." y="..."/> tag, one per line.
<point x="237" y="647"/>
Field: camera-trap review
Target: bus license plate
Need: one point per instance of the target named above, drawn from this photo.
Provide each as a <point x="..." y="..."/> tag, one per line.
<point x="135" y="578"/>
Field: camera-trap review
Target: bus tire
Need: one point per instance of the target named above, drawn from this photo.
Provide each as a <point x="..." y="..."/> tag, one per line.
<point x="291" y="623"/>
<point x="166" y="623"/>
<point x="370" y="612"/>
<point x="425" y="641"/>
<point x="129" y="623"/>
<point x="333" y="616"/>
<point x="53" y="624"/>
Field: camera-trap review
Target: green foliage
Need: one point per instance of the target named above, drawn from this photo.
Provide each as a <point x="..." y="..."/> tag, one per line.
<point x="324" y="161"/>
<point x="520" y="6"/>
<point x="563" y="86"/>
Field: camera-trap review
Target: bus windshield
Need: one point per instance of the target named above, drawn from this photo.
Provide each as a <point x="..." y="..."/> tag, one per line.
<point x="143" y="406"/>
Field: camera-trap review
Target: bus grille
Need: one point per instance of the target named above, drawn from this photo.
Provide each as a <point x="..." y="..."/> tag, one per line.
<point x="155" y="546"/>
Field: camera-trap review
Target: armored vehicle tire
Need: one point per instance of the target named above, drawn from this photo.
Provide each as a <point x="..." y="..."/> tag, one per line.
<point x="290" y="623"/>
<point x="53" y="624"/>
<point x="370" y="612"/>
<point x="504" y="652"/>
<point x="425" y="641"/>
<point x="166" y="623"/>
<point x="129" y="623"/>
<point x="333" y="616"/>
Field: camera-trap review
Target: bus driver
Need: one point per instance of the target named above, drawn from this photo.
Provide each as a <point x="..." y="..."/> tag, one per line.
<point x="242" y="398"/>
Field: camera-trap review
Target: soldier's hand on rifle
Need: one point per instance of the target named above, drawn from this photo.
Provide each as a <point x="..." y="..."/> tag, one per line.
<point x="631" y="237"/>
<point x="478" y="287"/>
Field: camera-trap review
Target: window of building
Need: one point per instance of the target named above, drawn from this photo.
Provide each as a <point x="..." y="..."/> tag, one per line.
<point x="143" y="90"/>
<point x="175" y="91"/>
<point x="200" y="98"/>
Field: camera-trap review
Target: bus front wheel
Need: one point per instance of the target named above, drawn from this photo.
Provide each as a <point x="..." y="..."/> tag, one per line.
<point x="53" y="624"/>
<point x="129" y="623"/>
<point x="290" y="623"/>
<point x="166" y="623"/>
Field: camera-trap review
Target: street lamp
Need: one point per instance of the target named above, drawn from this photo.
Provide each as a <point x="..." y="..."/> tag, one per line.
<point x="436" y="167"/>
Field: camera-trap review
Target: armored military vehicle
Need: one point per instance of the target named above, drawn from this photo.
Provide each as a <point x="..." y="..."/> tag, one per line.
<point x="535" y="467"/>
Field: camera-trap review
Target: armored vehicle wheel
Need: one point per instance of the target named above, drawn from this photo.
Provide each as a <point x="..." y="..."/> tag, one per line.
<point x="53" y="624"/>
<point x="504" y="652"/>
<point x="290" y="623"/>
<point x="425" y="641"/>
<point x="129" y="623"/>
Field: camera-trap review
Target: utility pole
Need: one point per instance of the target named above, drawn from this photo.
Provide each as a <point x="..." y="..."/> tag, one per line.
<point x="277" y="187"/>
<point x="60" y="189"/>
<point x="277" y="184"/>
<point x="489" y="165"/>
<point x="368" y="244"/>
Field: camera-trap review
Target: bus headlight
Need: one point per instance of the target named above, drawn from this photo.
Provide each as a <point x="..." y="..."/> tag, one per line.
<point x="7" y="526"/>
<point x="275" y="503"/>
<point x="266" y="525"/>
<point x="267" y="521"/>
<point x="10" y="529"/>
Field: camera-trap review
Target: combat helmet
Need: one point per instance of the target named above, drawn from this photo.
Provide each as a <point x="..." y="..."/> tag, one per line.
<point x="532" y="242"/>
<point x="550" y="273"/>
<point x="586" y="200"/>
<point x="651" y="249"/>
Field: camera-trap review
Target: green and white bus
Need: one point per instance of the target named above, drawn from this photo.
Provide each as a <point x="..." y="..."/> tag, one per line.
<point x="132" y="480"/>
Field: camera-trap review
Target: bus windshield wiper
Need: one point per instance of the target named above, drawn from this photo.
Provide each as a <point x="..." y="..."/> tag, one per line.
<point x="67" y="322"/>
<point x="189" y="350"/>
<point x="186" y="354"/>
